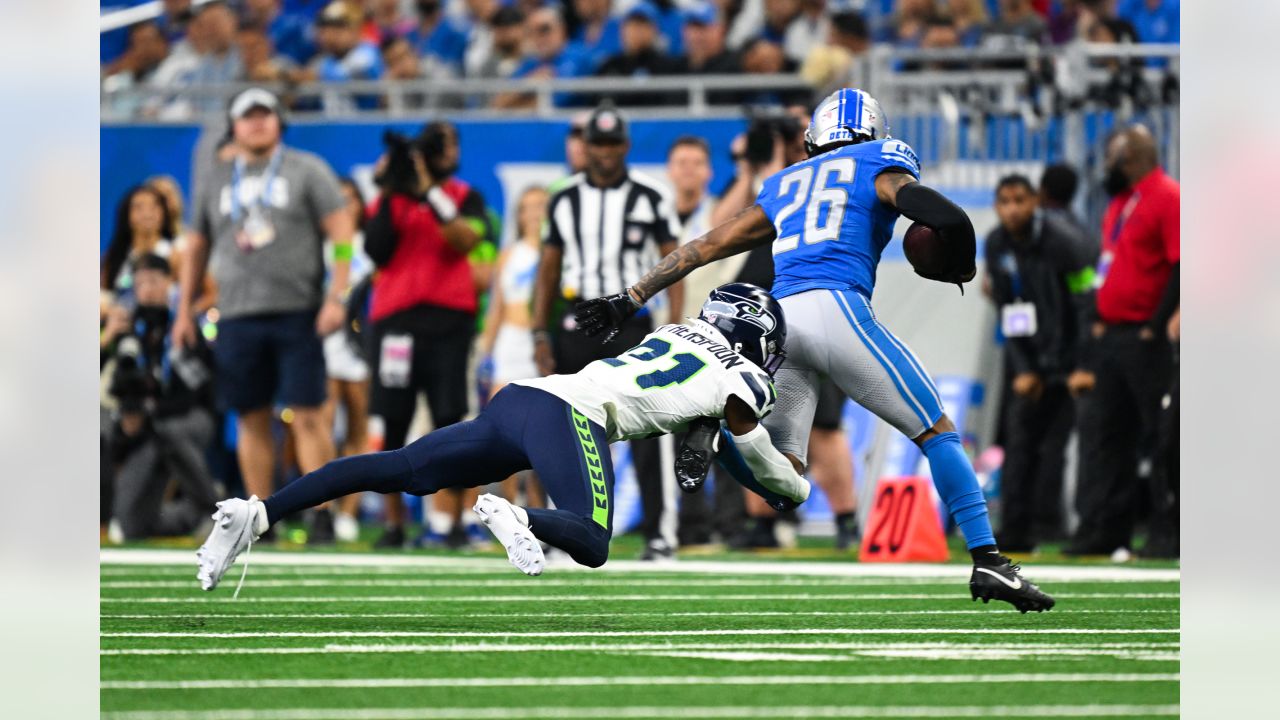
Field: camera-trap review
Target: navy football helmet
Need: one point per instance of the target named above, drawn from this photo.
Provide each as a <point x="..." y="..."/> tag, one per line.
<point x="751" y="320"/>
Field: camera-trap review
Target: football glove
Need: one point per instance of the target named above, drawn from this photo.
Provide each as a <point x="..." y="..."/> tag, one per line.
<point x="693" y="462"/>
<point x="605" y="313"/>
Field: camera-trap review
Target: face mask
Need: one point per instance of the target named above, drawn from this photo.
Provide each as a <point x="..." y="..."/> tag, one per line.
<point x="1115" y="181"/>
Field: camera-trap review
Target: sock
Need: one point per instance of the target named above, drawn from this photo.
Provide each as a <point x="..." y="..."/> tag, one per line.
<point x="844" y="521"/>
<point x="382" y="472"/>
<point x="986" y="555"/>
<point x="958" y="485"/>
<point x="439" y="523"/>
<point x="585" y="541"/>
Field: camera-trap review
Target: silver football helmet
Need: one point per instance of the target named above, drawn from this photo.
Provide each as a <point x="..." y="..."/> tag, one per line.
<point x="846" y="116"/>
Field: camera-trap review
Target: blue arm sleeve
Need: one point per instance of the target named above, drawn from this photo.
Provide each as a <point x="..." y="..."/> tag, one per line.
<point x="732" y="461"/>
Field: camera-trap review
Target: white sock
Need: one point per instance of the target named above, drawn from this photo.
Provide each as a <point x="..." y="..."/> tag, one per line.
<point x="260" y="524"/>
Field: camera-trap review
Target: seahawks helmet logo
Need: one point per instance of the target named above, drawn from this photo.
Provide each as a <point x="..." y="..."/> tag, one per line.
<point x="741" y="310"/>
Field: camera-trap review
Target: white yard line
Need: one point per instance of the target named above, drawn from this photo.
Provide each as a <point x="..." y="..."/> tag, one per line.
<point x="756" y="597"/>
<point x="658" y="712"/>
<point x="648" y="633"/>
<point x="429" y="582"/>
<point x="746" y="567"/>
<point x="761" y="613"/>
<point x="641" y="680"/>
<point x="1103" y="648"/>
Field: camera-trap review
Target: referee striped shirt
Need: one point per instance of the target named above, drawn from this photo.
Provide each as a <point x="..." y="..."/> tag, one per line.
<point x="609" y="236"/>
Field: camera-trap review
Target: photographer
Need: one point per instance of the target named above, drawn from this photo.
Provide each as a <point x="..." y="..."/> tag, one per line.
<point x="163" y="420"/>
<point x="423" y="309"/>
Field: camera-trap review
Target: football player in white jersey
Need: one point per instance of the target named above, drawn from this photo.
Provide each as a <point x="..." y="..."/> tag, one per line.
<point x="719" y="365"/>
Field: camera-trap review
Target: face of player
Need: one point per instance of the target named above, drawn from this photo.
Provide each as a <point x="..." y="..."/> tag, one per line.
<point x="606" y="159"/>
<point x="531" y="212"/>
<point x="1015" y="206"/>
<point x="151" y="287"/>
<point x="145" y="214"/>
<point x="689" y="169"/>
<point x="258" y="131"/>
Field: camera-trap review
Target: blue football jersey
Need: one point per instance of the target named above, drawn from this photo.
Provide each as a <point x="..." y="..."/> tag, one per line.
<point x="831" y="226"/>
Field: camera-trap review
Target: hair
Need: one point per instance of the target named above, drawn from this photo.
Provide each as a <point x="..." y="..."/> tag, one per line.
<point x="851" y="24"/>
<point x="151" y="261"/>
<point x="1015" y="180"/>
<point x="175" y="219"/>
<point x="520" y="199"/>
<point x="350" y="183"/>
<point x="122" y="235"/>
<point x="690" y="141"/>
<point x="1059" y="183"/>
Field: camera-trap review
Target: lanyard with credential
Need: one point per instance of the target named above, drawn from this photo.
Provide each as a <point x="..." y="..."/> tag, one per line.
<point x="237" y="171"/>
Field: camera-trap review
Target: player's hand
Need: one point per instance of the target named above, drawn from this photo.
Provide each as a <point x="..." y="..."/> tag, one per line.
<point x="1080" y="382"/>
<point x="542" y="355"/>
<point x="693" y="461"/>
<point x="1028" y="384"/>
<point x="605" y="313"/>
<point x="183" y="334"/>
<point x="332" y="315"/>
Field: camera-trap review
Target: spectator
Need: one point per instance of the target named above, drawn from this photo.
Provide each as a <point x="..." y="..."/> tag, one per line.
<point x="423" y="224"/>
<point x="599" y="34"/>
<point x="670" y="24"/>
<point x="480" y="40"/>
<point x="939" y="34"/>
<point x="163" y="422"/>
<point x="143" y="227"/>
<point x="970" y="20"/>
<point x="168" y="188"/>
<point x="839" y="63"/>
<point x="807" y="30"/>
<point x="592" y="251"/>
<point x="263" y="216"/>
<point x="640" y="57"/>
<point x="210" y="54"/>
<point x="147" y="49"/>
<point x="347" y="371"/>
<point x="506" y="40"/>
<point x="261" y="63"/>
<point x="1156" y="21"/>
<point x="174" y="20"/>
<point x="1041" y="272"/>
<point x="290" y="34"/>
<point x="401" y="63"/>
<point x="385" y="21"/>
<point x="507" y="343"/>
<point x="439" y="36"/>
<point x="551" y="57"/>
<point x="703" y="32"/>
<point x="762" y="57"/>
<point x="1017" y="25"/>
<point x="906" y="26"/>
<point x="1057" y="191"/>
<point x="343" y="54"/>
<point x="1131" y="357"/>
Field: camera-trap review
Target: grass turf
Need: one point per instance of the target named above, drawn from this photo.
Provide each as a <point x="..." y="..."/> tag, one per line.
<point x="473" y="639"/>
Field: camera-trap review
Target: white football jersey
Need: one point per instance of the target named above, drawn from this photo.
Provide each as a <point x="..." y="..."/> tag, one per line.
<point x="679" y="373"/>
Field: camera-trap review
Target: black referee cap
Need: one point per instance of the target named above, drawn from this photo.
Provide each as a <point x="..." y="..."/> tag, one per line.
<point x="606" y="124"/>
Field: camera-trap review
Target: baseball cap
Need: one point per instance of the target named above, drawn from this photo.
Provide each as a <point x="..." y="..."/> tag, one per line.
<point x="339" y="14"/>
<point x="642" y="11"/>
<point x="702" y="13"/>
<point x="254" y="97"/>
<point x="606" y="124"/>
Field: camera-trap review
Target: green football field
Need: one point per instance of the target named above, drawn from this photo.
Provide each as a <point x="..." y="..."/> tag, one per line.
<point x="358" y="635"/>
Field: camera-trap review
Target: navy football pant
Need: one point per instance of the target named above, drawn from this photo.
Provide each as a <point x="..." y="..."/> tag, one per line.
<point x="522" y="428"/>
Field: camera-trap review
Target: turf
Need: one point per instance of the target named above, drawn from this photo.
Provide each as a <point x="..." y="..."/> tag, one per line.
<point x="472" y="638"/>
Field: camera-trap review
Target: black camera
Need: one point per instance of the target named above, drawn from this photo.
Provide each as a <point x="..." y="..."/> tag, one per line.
<point x="764" y="131"/>
<point x="130" y="383"/>
<point x="399" y="176"/>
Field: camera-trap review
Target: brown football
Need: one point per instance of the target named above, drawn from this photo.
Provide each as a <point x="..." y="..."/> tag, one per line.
<point x="924" y="250"/>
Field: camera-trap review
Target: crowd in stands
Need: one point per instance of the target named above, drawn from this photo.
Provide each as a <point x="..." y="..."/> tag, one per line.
<point x="298" y="41"/>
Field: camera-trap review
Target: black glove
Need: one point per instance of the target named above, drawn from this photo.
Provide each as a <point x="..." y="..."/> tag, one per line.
<point x="693" y="461"/>
<point x="605" y="313"/>
<point x="959" y="272"/>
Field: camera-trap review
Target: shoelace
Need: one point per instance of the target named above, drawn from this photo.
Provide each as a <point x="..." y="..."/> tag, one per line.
<point x="245" y="571"/>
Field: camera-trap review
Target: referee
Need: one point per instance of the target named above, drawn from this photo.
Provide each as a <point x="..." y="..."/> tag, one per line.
<point x="605" y="226"/>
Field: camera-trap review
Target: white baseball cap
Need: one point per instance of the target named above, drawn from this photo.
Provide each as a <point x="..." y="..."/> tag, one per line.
<point x="254" y="97"/>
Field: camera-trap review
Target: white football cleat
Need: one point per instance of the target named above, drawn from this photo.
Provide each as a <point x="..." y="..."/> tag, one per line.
<point x="510" y="526"/>
<point x="236" y="524"/>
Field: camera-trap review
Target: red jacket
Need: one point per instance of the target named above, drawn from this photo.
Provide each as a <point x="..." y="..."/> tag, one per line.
<point x="425" y="270"/>
<point x="1141" y="241"/>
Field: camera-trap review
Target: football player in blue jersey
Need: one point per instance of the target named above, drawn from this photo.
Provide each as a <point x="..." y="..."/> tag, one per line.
<point x="829" y="218"/>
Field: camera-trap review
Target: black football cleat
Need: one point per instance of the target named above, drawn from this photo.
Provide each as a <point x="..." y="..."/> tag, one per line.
<point x="1004" y="582"/>
<point x="693" y="461"/>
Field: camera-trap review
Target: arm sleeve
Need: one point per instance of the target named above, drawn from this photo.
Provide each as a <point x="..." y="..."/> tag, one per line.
<point x="928" y="206"/>
<point x="380" y="235"/>
<point x="770" y="467"/>
<point x="474" y="213"/>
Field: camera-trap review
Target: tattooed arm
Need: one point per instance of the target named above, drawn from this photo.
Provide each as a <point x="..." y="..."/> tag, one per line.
<point x="748" y="229"/>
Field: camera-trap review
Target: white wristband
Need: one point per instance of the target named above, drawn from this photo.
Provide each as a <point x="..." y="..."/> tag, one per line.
<point x="446" y="209"/>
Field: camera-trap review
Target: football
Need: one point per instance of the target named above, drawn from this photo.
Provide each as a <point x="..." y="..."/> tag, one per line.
<point x="924" y="250"/>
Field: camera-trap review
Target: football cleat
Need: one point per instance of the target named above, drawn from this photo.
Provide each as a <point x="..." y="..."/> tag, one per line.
<point x="504" y="520"/>
<point x="1004" y="582"/>
<point x="236" y="524"/>
<point x="697" y="452"/>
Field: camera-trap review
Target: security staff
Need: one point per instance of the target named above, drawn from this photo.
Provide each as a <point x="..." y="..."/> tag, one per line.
<point x="1041" y="272"/>
<point x="605" y="226"/>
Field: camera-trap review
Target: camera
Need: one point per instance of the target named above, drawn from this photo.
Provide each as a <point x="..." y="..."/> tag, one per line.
<point x="399" y="176"/>
<point x="130" y="383"/>
<point x="766" y="129"/>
